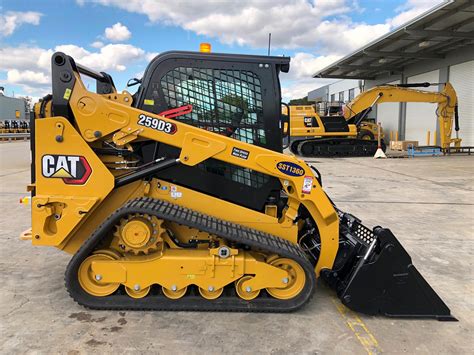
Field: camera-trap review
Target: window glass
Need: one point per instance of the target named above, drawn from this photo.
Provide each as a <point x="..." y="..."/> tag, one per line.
<point x="228" y="102"/>
<point x="341" y="96"/>
<point x="351" y="94"/>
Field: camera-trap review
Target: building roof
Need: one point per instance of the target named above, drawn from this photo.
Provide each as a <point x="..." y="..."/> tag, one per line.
<point x="443" y="29"/>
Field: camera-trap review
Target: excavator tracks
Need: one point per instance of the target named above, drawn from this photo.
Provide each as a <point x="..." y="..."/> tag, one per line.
<point x="192" y="301"/>
<point x="335" y="147"/>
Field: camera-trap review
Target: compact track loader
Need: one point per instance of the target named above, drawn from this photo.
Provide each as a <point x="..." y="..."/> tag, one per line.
<point x="179" y="197"/>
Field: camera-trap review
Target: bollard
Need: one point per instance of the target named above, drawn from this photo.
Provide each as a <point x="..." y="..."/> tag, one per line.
<point x="428" y="138"/>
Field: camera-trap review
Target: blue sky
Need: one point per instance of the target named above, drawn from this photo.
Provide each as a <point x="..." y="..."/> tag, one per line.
<point x="120" y="36"/>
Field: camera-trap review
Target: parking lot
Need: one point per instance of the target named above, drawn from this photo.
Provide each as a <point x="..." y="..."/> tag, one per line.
<point x="426" y="202"/>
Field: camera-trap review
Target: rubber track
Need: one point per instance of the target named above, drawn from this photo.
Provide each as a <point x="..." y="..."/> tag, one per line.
<point x="192" y="301"/>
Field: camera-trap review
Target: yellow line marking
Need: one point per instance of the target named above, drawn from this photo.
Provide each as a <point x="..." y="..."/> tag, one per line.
<point x="359" y="328"/>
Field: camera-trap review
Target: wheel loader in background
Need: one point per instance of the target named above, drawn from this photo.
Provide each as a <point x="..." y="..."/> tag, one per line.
<point x="352" y="134"/>
<point x="179" y="197"/>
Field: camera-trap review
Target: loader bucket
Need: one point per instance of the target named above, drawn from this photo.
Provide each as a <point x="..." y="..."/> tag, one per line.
<point x="374" y="274"/>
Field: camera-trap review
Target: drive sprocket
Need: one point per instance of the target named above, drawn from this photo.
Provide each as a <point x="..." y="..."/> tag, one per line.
<point x="139" y="234"/>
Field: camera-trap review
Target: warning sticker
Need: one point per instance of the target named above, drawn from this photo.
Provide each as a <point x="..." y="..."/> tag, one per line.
<point x="67" y="94"/>
<point x="149" y="102"/>
<point x="307" y="184"/>
<point x="175" y="193"/>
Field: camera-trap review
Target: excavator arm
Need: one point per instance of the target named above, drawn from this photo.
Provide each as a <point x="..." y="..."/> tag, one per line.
<point x="446" y="111"/>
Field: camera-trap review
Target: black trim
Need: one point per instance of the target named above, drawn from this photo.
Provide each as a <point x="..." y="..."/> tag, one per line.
<point x="145" y="172"/>
<point x="33" y="151"/>
<point x="63" y="79"/>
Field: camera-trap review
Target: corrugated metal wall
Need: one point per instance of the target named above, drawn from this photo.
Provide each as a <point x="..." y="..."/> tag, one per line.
<point x="9" y="106"/>
<point x="421" y="117"/>
<point x="462" y="78"/>
<point x="388" y="115"/>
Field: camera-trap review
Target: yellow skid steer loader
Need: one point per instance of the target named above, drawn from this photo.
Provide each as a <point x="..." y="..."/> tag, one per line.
<point x="179" y="197"/>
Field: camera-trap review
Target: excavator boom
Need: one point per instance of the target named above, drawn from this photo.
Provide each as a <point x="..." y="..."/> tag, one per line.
<point x="446" y="111"/>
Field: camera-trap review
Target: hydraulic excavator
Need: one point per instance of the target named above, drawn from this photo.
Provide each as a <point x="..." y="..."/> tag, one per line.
<point x="352" y="134"/>
<point x="179" y="197"/>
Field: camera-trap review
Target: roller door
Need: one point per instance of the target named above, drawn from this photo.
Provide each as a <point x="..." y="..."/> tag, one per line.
<point x="421" y="117"/>
<point x="462" y="78"/>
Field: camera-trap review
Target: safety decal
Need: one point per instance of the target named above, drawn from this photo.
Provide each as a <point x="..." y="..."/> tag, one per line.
<point x="73" y="169"/>
<point x="67" y="94"/>
<point x="307" y="184"/>
<point x="175" y="193"/>
<point x="157" y="124"/>
<point x="149" y="102"/>
<point x="289" y="168"/>
<point x="240" y="153"/>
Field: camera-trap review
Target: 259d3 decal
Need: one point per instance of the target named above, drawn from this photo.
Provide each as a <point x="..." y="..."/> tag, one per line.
<point x="156" y="123"/>
<point x="72" y="169"/>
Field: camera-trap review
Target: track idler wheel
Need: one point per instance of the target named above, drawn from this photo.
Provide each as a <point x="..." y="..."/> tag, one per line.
<point x="245" y="293"/>
<point x="174" y="294"/>
<point x="90" y="282"/>
<point x="137" y="292"/>
<point x="294" y="282"/>
<point x="210" y="293"/>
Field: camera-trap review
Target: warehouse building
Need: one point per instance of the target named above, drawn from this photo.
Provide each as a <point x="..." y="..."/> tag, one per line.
<point x="11" y="108"/>
<point x="435" y="47"/>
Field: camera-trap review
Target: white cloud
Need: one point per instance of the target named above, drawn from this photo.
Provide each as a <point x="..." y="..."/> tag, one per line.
<point x="292" y="23"/>
<point x="97" y="44"/>
<point x="117" y="33"/>
<point x="410" y="9"/>
<point x="304" y="65"/>
<point x="30" y="67"/>
<point x="11" y="20"/>
<point x="150" y="56"/>
<point x="27" y="77"/>
<point x="299" y="81"/>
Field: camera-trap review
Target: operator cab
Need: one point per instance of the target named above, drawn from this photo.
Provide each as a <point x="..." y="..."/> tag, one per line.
<point x="231" y="94"/>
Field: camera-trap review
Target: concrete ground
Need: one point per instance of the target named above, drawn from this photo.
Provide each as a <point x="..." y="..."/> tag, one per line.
<point x="427" y="202"/>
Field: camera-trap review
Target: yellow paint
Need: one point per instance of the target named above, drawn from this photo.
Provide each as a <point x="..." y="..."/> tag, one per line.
<point x="358" y="327"/>
<point x="83" y="208"/>
<point x="179" y="268"/>
<point x="446" y="100"/>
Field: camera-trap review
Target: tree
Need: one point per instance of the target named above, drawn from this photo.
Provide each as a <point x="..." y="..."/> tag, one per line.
<point x="28" y="103"/>
<point x="302" y="101"/>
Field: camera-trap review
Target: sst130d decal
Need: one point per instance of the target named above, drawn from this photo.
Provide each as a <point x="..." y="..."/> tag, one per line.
<point x="290" y="168"/>
<point x="156" y="123"/>
<point x="73" y="169"/>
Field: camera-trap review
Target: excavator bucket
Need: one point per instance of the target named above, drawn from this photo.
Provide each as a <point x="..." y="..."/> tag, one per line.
<point x="374" y="274"/>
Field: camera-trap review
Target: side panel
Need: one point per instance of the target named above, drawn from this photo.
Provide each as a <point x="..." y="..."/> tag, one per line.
<point x="70" y="181"/>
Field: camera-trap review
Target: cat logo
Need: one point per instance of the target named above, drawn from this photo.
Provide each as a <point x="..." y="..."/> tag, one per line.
<point x="73" y="169"/>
